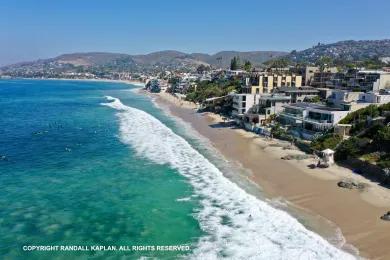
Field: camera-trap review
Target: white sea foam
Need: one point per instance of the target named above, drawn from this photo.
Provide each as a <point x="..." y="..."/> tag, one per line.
<point x="238" y="225"/>
<point x="184" y="199"/>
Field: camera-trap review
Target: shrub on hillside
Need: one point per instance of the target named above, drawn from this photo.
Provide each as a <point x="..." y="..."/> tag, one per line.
<point x="326" y="141"/>
<point x="347" y="148"/>
<point x="382" y="139"/>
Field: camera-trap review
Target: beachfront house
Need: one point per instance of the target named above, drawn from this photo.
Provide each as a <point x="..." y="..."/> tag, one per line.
<point x="352" y="101"/>
<point x="261" y="112"/>
<point x="241" y="105"/>
<point x="243" y="102"/>
<point x="270" y="105"/>
<point x="311" y="117"/>
<point x="343" y="99"/>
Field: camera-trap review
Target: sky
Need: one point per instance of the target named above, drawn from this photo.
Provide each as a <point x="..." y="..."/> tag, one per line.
<point x="32" y="29"/>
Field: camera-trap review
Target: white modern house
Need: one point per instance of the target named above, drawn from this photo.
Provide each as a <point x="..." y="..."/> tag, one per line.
<point x="352" y="101"/>
<point x="243" y="102"/>
<point x="382" y="97"/>
<point x="343" y="98"/>
<point x="311" y="117"/>
<point x="267" y="106"/>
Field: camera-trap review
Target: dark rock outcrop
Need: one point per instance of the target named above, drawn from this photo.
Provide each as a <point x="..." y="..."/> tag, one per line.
<point x="349" y="184"/>
<point x="386" y="216"/>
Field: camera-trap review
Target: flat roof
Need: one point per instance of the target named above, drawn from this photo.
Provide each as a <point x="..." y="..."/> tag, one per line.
<point x="374" y="71"/>
<point x="297" y="89"/>
<point x="275" y="97"/>
<point x="304" y="105"/>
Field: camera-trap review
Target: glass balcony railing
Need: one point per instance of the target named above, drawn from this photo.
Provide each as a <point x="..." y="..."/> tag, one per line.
<point x="292" y="115"/>
<point x="318" y="121"/>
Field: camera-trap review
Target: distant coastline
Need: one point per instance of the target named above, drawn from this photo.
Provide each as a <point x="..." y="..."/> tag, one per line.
<point x="131" y="82"/>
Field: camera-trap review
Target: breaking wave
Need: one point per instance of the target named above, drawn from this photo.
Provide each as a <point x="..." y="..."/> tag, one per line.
<point x="237" y="224"/>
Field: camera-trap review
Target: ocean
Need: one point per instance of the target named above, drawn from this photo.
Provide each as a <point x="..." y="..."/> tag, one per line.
<point x="98" y="166"/>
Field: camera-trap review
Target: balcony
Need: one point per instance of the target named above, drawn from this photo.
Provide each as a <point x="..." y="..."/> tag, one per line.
<point x="292" y="115"/>
<point x="323" y="123"/>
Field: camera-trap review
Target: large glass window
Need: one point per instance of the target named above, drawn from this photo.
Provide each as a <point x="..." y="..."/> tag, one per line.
<point x="320" y="117"/>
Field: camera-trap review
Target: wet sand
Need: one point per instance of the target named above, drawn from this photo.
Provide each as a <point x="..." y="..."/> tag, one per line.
<point x="313" y="194"/>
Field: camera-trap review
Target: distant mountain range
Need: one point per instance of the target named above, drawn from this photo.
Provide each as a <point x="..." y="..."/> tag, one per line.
<point x="116" y="62"/>
<point x="102" y="63"/>
<point x="344" y="50"/>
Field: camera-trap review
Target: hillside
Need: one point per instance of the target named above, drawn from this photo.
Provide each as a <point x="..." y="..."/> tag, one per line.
<point x="223" y="58"/>
<point x="347" y="51"/>
<point x="115" y="62"/>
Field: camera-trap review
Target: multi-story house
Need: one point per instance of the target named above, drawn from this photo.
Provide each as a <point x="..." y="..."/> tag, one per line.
<point x="267" y="105"/>
<point x="352" y="101"/>
<point x="242" y="103"/>
<point x="369" y="80"/>
<point x="343" y="99"/>
<point x="321" y="78"/>
<point x="307" y="73"/>
<point x="311" y="117"/>
<point x="353" y="80"/>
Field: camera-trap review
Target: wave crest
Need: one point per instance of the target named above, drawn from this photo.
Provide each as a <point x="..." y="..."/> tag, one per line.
<point x="238" y="225"/>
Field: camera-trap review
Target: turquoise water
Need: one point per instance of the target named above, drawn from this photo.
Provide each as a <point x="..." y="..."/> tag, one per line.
<point x="94" y="163"/>
<point x="68" y="180"/>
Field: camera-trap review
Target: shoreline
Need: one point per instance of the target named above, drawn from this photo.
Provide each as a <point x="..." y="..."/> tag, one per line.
<point x="310" y="195"/>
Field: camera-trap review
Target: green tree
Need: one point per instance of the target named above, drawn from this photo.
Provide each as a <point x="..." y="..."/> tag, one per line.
<point x="315" y="99"/>
<point x="324" y="62"/>
<point x="202" y="68"/>
<point x="174" y="80"/>
<point x="279" y="63"/>
<point x="248" y="66"/>
<point x="326" y="141"/>
<point x="347" y="148"/>
<point x="235" y="63"/>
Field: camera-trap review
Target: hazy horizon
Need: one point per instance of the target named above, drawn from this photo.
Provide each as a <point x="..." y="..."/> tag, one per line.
<point x="45" y="29"/>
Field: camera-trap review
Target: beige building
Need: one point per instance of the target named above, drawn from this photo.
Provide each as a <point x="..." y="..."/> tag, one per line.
<point x="266" y="83"/>
<point x="311" y="74"/>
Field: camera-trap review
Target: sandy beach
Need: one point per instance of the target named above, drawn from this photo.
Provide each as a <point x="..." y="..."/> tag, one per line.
<point x="312" y="195"/>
